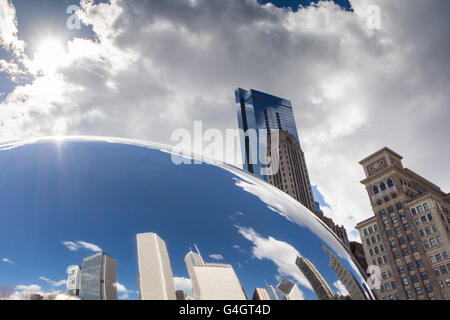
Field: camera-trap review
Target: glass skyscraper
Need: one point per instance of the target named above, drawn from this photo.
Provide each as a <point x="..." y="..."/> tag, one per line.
<point x="98" y="278"/>
<point x="261" y="112"/>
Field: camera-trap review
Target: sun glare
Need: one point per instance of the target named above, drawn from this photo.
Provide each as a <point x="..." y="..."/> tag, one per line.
<point x="49" y="56"/>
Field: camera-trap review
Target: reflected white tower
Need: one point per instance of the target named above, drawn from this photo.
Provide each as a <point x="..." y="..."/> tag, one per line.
<point x="289" y="290"/>
<point x="155" y="273"/>
<point x="213" y="281"/>
<point x="73" y="283"/>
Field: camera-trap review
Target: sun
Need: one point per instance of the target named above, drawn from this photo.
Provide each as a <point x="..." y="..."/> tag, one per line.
<point x="50" y="55"/>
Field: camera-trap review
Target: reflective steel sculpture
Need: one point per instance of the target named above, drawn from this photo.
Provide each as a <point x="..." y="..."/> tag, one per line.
<point x="62" y="201"/>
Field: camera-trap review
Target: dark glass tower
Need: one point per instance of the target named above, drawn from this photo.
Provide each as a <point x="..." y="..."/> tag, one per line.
<point x="98" y="278"/>
<point x="261" y="112"/>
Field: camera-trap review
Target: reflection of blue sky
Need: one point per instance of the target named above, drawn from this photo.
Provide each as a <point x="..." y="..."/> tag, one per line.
<point x="103" y="194"/>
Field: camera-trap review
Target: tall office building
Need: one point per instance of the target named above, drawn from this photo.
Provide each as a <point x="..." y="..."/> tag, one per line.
<point x="213" y="281"/>
<point x="272" y="292"/>
<point x="261" y="113"/>
<point x="352" y="285"/>
<point x="155" y="273"/>
<point x="408" y="237"/>
<point x="260" y="294"/>
<point x="73" y="283"/>
<point x="292" y="176"/>
<point x="318" y="283"/>
<point x="98" y="278"/>
<point x="289" y="290"/>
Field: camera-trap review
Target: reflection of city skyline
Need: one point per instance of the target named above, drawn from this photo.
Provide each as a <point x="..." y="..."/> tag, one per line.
<point x="96" y="278"/>
<point x="283" y="232"/>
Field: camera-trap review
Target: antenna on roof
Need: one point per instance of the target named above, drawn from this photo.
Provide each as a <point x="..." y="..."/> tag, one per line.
<point x="198" y="252"/>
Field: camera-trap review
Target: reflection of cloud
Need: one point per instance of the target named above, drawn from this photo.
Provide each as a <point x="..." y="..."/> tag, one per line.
<point x="6" y="260"/>
<point x="72" y="246"/>
<point x="185" y="285"/>
<point x="238" y="248"/>
<point x="54" y="284"/>
<point x="216" y="256"/>
<point x="34" y="292"/>
<point x="123" y="292"/>
<point x="281" y="253"/>
<point x="342" y="290"/>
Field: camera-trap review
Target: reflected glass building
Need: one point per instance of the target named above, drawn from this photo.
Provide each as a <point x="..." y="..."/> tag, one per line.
<point x="98" y="278"/>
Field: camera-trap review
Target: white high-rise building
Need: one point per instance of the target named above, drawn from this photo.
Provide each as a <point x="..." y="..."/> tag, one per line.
<point x="213" y="281"/>
<point x="289" y="290"/>
<point x="155" y="273"/>
<point x="73" y="283"/>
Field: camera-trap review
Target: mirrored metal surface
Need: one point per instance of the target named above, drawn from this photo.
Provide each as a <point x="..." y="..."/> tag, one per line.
<point x="214" y="230"/>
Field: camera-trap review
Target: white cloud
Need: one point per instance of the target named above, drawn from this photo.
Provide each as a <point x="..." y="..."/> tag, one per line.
<point x="282" y="254"/>
<point x="341" y="289"/>
<point x="123" y="292"/>
<point x="6" y="260"/>
<point x="216" y="256"/>
<point x="34" y="292"/>
<point x="74" y="246"/>
<point x="55" y="284"/>
<point x="170" y="63"/>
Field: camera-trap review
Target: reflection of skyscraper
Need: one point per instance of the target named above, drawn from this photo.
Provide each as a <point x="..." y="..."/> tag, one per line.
<point x="272" y="292"/>
<point x="213" y="281"/>
<point x="155" y="273"/>
<point x="289" y="290"/>
<point x="181" y="295"/>
<point x="348" y="279"/>
<point x="318" y="283"/>
<point x="260" y="294"/>
<point x="98" y="278"/>
<point x="73" y="283"/>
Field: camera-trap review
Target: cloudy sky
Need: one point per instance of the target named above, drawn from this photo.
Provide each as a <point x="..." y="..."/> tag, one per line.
<point x="142" y="69"/>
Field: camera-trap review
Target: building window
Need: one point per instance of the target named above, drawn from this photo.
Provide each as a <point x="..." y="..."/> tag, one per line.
<point x="425" y="206"/>
<point x="410" y="266"/>
<point x="415" y="278"/>
<point x="379" y="202"/>
<point x="394" y="220"/>
<point x="425" y="244"/>
<point x="419" y="291"/>
<point x="386" y="199"/>
<point x="430" y="217"/>
<point x="390" y="183"/>
<point x="393" y="285"/>
<point x="401" y="270"/>
<point x="443" y="269"/>
<point x="382" y="186"/>
<point x="391" y="209"/>
<point x="420" y="263"/>
<point x="406" y="226"/>
<point x="399" y="206"/>
<point x="410" y="237"/>
<point x="405" y="282"/>
<point x="419" y="209"/>
<point x="409" y="294"/>
<point x="429" y="288"/>
<point x="424" y="275"/>
<point x="414" y="248"/>
<point x="370" y="229"/>
<point x="393" y="244"/>
<point x="394" y="196"/>
<point x="383" y="213"/>
<point x="396" y="255"/>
